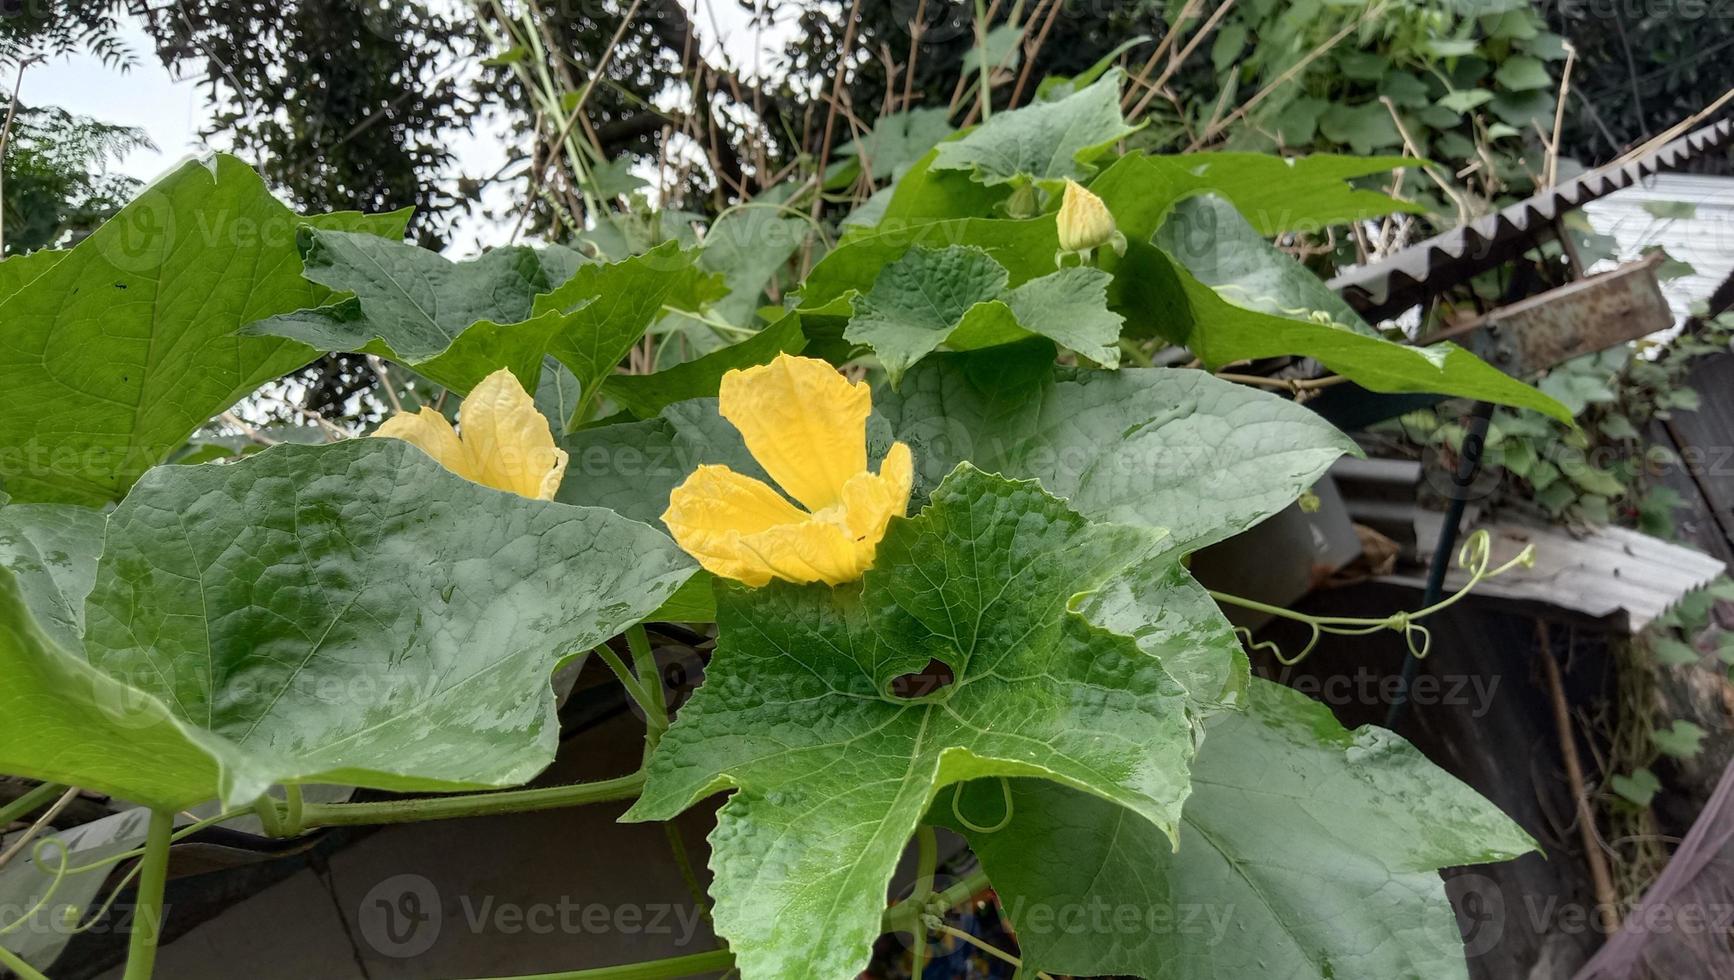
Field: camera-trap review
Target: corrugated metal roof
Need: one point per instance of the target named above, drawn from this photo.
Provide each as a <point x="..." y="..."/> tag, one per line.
<point x="1405" y="278"/>
<point x="1608" y="571"/>
<point x="1705" y="240"/>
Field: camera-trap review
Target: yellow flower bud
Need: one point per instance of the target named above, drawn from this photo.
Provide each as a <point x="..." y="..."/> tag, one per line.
<point x="1085" y="222"/>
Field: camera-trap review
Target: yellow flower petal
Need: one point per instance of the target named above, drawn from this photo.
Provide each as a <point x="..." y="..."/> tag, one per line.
<point x="713" y="508"/>
<point x="1084" y="222"/>
<point x="506" y="442"/>
<point x="805" y="424"/>
<point x="870" y="500"/>
<point x="429" y="431"/>
<point x="811" y="551"/>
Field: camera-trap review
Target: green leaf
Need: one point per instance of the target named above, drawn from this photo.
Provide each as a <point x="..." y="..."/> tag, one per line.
<point x="1450" y="47"/>
<point x="51" y="550"/>
<point x="1405" y="90"/>
<point x="1682" y="739"/>
<point x="62" y="720"/>
<point x="1463" y="100"/>
<point x="350" y="613"/>
<point x="917" y="301"/>
<point x="1000" y="51"/>
<point x="1056" y="87"/>
<point x="644" y="395"/>
<point x="832" y="772"/>
<point x="614" y="179"/>
<point x="1160" y="605"/>
<point x="1024" y="248"/>
<point x="611" y="306"/>
<point x="1158" y="447"/>
<point x="1306" y="851"/>
<point x="455" y="322"/>
<point x="1670" y="209"/>
<point x="1043" y="141"/>
<point x="1157" y="291"/>
<point x="17" y="270"/>
<point x="1639" y="788"/>
<point x="1276" y="194"/>
<point x="957" y="295"/>
<point x="126" y="345"/>
<point x="1520" y="72"/>
<point x="747" y="247"/>
<point x="1363" y="128"/>
<point x="923" y="195"/>
<point x="1206" y="232"/>
<point x="1673" y="653"/>
<point x="900" y="139"/>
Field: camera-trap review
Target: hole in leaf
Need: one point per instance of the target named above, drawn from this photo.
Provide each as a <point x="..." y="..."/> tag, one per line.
<point x="922" y="683"/>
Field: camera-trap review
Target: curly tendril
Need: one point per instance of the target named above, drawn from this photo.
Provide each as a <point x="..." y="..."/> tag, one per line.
<point x="1004" y="821"/>
<point x="1475" y="557"/>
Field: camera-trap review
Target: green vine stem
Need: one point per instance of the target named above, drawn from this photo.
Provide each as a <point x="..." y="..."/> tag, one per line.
<point x="470" y="804"/>
<point x="634" y="690"/>
<point x="30" y="802"/>
<point x="926" y="862"/>
<point x="1475" y="557"/>
<point x="650" y="680"/>
<point x="147" y="920"/>
<point x="25" y="971"/>
<point x="905" y="915"/>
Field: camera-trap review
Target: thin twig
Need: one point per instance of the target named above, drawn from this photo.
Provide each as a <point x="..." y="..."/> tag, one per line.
<point x="1285" y="77"/>
<point x="247" y="430"/>
<point x="1175" y="30"/>
<point x="1606" y="901"/>
<point x="843" y="55"/>
<point x="385" y="384"/>
<point x="36" y="828"/>
<point x="1559" y="115"/>
<point x="1180" y="57"/>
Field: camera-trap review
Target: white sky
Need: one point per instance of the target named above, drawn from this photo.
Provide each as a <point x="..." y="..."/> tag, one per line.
<point x="173" y="110"/>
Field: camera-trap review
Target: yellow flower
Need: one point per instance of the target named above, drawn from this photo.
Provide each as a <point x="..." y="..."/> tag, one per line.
<point x="807" y="426"/>
<point x="1085" y="222"/>
<point x="506" y="443"/>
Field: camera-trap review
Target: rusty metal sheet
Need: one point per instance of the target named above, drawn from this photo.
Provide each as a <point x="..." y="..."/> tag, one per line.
<point x="1582" y="317"/>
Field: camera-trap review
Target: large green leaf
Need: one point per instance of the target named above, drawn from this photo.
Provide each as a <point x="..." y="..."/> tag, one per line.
<point x="832" y="772"/>
<point x="1159" y="447"/>
<point x="1215" y="313"/>
<point x="1025" y="248"/>
<point x="126" y="345"/>
<point x="51" y="549"/>
<point x="958" y="296"/>
<point x="1212" y="239"/>
<point x="1276" y="194"/>
<point x="1307" y="852"/>
<point x="16" y="270"/>
<point x="62" y="720"/>
<point x="611" y="306"/>
<point x="414" y="301"/>
<point x="350" y="613"/>
<point x="1044" y="141"/>
<point x="1160" y="605"/>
